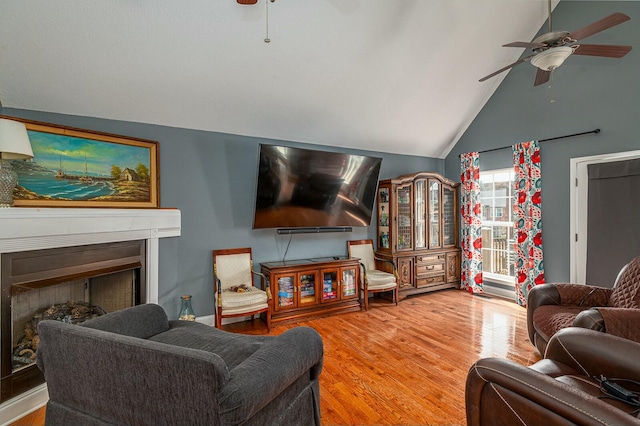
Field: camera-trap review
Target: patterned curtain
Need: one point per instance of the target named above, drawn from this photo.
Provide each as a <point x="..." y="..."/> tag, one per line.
<point x="471" y="274"/>
<point x="527" y="219"/>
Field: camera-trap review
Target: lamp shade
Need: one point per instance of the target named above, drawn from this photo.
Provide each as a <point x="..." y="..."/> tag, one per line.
<point x="14" y="140"/>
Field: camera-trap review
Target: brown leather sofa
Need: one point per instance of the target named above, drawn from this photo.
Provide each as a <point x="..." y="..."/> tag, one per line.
<point x="561" y="389"/>
<point x="552" y="307"/>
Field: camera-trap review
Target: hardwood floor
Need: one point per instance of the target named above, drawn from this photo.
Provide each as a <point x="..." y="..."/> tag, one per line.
<point x="407" y="365"/>
<point x="35" y="418"/>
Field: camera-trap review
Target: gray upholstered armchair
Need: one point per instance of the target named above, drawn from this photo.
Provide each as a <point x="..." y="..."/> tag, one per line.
<point x="136" y="367"/>
<point x="552" y="307"/>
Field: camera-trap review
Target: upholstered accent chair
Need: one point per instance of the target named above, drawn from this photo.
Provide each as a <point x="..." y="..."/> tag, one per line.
<point x="564" y="388"/>
<point x="235" y="294"/>
<point x="372" y="279"/>
<point x="136" y="367"/>
<point x="552" y="307"/>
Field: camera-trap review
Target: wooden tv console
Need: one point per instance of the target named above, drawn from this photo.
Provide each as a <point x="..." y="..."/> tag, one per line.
<point x="309" y="288"/>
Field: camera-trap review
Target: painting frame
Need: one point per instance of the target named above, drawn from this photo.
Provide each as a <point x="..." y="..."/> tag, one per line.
<point x="143" y="190"/>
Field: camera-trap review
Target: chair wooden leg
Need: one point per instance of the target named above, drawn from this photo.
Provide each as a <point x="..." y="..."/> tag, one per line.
<point x="395" y="291"/>
<point x="219" y="318"/>
<point x="269" y="320"/>
<point x="366" y="300"/>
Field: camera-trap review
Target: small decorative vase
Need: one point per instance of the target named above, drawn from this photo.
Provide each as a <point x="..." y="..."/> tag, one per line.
<point x="186" y="311"/>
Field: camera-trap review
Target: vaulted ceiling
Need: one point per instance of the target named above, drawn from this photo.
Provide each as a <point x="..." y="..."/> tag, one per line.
<point x="392" y="76"/>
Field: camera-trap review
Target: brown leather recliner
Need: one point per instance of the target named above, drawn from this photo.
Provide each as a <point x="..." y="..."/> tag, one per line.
<point x="561" y="389"/>
<point x="552" y="307"/>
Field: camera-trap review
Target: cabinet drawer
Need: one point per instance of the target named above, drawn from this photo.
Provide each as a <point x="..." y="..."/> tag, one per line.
<point x="430" y="259"/>
<point x="431" y="280"/>
<point x="425" y="268"/>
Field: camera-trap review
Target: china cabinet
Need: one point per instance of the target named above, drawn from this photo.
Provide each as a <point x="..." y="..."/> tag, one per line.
<point x="418" y="229"/>
<point x="307" y="288"/>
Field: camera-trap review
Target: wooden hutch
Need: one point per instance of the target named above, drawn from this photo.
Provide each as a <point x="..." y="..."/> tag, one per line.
<point x="417" y="228"/>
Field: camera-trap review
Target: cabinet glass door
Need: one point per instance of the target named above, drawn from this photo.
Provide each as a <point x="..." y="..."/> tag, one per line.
<point x="434" y="214"/>
<point x="329" y="285"/>
<point x="420" y="216"/>
<point x="448" y="216"/>
<point x="383" y="218"/>
<point x="403" y="236"/>
<point x="348" y="282"/>
<point x="286" y="292"/>
<point x="307" y="288"/>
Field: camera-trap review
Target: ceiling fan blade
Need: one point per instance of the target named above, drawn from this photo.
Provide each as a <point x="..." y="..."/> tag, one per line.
<point x="247" y="1"/>
<point x="524" y="44"/>
<point x="542" y="77"/>
<point x="606" y="50"/>
<point x="518" y="62"/>
<point x="601" y="25"/>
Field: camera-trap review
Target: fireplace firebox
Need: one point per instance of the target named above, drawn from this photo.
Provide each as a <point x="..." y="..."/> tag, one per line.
<point x="70" y="284"/>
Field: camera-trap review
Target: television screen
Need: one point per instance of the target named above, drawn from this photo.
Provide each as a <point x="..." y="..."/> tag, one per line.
<point x="303" y="188"/>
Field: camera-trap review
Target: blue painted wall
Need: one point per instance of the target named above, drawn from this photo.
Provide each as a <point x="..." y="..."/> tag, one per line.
<point x="211" y="178"/>
<point x="589" y="93"/>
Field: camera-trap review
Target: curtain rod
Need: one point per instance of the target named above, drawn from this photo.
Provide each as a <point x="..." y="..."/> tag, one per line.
<point x="595" y="131"/>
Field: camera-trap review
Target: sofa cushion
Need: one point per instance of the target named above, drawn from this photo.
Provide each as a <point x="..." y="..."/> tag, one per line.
<point x="255" y="296"/>
<point x="548" y="319"/>
<point x="232" y="348"/>
<point x="378" y="280"/>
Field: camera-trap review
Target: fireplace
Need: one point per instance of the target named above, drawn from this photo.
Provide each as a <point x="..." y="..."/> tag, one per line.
<point x="70" y="284"/>
<point x="50" y="257"/>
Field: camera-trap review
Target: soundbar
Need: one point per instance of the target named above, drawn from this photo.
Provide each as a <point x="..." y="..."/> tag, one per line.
<point x="320" y="230"/>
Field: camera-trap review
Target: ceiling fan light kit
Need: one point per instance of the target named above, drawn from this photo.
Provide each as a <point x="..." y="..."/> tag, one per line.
<point x="551" y="59"/>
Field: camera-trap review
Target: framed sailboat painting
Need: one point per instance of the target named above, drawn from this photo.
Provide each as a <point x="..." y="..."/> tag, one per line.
<point x="82" y="168"/>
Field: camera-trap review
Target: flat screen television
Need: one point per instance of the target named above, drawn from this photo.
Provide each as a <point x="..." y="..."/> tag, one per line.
<point x="304" y="188"/>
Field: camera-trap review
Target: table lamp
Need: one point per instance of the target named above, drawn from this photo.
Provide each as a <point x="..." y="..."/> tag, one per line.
<point x="14" y="145"/>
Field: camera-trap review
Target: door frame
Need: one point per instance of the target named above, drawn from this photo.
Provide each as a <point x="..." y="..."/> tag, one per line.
<point x="579" y="190"/>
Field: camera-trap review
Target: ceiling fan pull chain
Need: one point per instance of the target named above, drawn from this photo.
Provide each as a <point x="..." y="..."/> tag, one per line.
<point x="267" y="39"/>
<point x="552" y="100"/>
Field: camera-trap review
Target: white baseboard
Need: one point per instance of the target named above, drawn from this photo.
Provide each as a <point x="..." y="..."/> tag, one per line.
<point x="211" y="320"/>
<point x="509" y="294"/>
<point x="23" y="404"/>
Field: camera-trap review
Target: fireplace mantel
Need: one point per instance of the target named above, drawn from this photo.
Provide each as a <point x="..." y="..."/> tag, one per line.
<point x="25" y="229"/>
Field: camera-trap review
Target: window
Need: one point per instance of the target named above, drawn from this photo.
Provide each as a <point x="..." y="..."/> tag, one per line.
<point x="496" y="196"/>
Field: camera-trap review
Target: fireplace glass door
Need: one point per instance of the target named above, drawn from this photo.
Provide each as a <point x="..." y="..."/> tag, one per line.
<point x="72" y="285"/>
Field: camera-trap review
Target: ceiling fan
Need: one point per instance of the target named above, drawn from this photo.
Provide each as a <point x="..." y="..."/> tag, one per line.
<point x="551" y="49"/>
